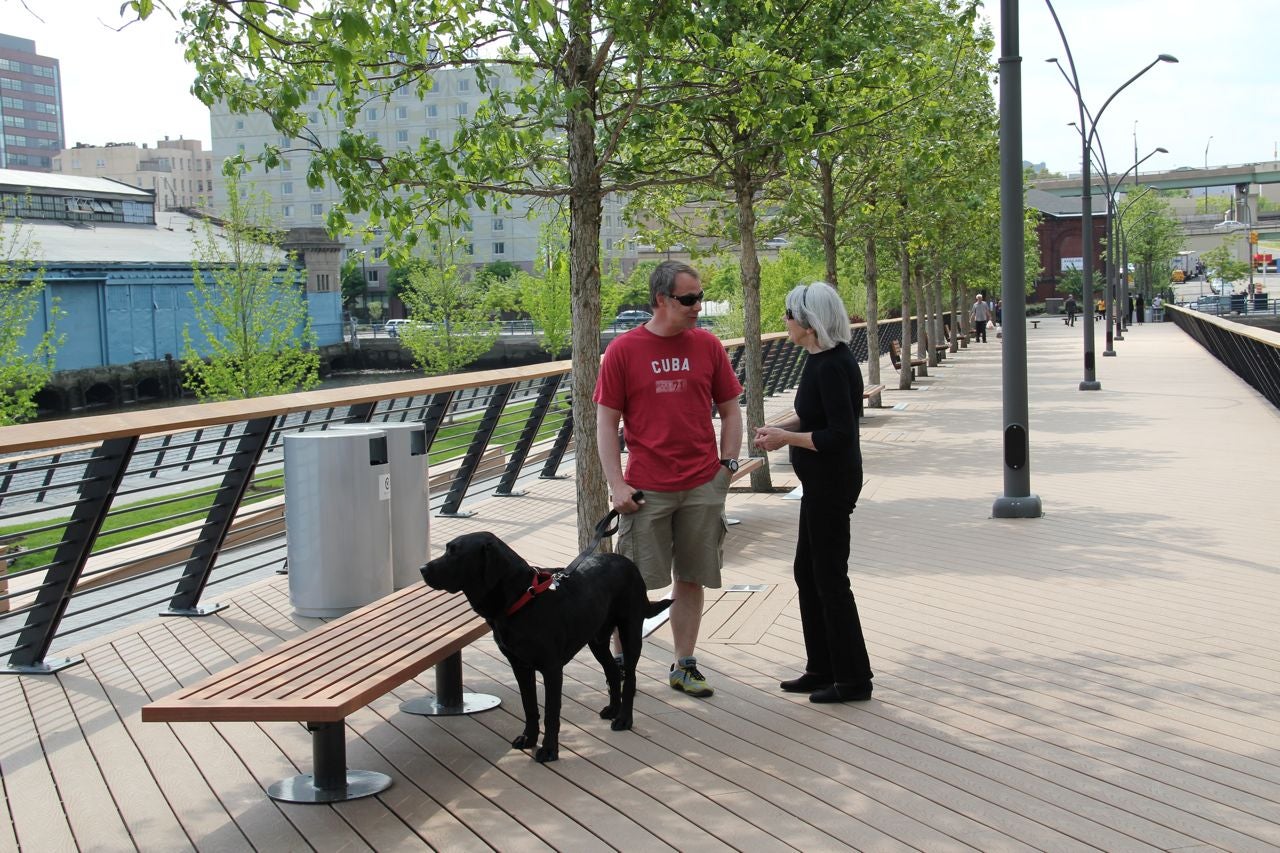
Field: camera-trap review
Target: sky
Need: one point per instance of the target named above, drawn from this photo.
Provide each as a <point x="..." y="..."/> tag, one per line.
<point x="134" y="86"/>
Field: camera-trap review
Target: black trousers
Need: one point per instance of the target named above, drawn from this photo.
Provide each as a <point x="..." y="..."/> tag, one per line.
<point x="833" y="639"/>
<point x="980" y="331"/>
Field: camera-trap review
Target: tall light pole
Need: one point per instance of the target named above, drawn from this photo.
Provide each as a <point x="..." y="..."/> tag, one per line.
<point x="1017" y="501"/>
<point x="1090" y="381"/>
<point x="1113" y="282"/>
<point x="1206" y="168"/>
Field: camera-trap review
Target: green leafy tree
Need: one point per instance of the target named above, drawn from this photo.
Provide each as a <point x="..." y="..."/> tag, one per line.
<point x="1154" y="238"/>
<point x="354" y="285"/>
<point x="250" y="309"/>
<point x="452" y="327"/>
<point x="1223" y="262"/>
<point x="24" y="368"/>
<point x="546" y="300"/>
<point x="566" y="83"/>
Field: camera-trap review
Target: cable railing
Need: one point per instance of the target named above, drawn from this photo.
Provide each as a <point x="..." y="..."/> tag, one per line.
<point x="1252" y="353"/>
<point x="111" y="515"/>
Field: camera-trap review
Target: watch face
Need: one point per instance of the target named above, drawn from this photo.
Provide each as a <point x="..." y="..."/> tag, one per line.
<point x="731" y="464"/>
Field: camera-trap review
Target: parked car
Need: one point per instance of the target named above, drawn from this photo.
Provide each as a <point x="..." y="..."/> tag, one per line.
<point x="393" y="327"/>
<point x="632" y="318"/>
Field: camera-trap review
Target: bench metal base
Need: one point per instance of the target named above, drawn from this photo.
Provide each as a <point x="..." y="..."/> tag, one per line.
<point x="449" y="700"/>
<point x="331" y="782"/>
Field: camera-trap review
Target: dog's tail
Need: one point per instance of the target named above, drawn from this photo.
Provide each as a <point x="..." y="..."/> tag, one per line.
<point x="655" y="607"/>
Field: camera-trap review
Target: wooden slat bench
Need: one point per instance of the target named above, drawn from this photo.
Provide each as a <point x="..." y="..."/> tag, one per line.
<point x="871" y="393"/>
<point x="895" y="356"/>
<point x="324" y="675"/>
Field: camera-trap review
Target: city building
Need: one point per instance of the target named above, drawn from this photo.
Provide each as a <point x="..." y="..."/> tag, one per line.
<point x="121" y="274"/>
<point x="181" y="173"/>
<point x="399" y="123"/>
<point x="30" y="106"/>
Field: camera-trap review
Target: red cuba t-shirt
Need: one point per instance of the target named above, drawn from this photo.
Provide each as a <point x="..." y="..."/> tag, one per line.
<point x="665" y="389"/>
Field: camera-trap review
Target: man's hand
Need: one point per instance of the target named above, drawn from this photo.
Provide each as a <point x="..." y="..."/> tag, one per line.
<point x="626" y="499"/>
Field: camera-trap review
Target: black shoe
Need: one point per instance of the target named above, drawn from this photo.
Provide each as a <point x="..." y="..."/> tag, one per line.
<point x="847" y="692"/>
<point x="806" y="683"/>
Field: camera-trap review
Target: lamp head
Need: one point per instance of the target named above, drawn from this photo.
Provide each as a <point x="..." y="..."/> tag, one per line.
<point x="1052" y="59"/>
<point x="1162" y="150"/>
<point x="1164" y="57"/>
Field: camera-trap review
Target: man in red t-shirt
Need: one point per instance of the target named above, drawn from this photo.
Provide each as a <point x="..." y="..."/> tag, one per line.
<point x="661" y="381"/>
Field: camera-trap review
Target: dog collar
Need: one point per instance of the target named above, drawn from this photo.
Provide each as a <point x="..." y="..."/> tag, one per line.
<point x="542" y="581"/>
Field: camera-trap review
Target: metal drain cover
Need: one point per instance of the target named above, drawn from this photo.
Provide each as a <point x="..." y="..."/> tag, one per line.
<point x="746" y="587"/>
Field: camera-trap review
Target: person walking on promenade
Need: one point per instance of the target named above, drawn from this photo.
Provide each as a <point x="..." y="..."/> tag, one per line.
<point x="661" y="381"/>
<point x="822" y="435"/>
<point x="1072" y="310"/>
<point x="980" y="313"/>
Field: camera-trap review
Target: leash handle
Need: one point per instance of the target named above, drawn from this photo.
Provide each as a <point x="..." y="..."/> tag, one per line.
<point x="608" y="525"/>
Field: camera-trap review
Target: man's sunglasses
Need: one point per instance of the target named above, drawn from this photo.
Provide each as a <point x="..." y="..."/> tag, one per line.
<point x="688" y="300"/>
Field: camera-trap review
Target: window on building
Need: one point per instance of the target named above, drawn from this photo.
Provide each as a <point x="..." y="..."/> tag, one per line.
<point x="432" y="133"/>
<point x="322" y="281"/>
<point x="402" y="113"/>
<point x="402" y="136"/>
<point x="432" y="111"/>
<point x="371" y="276"/>
<point x="378" y="252"/>
<point x="317" y="209"/>
<point x="286" y="166"/>
<point x="239" y="124"/>
<point x="287" y="211"/>
<point x="462" y="108"/>
<point x="469" y="249"/>
<point x="497" y="223"/>
<point x="500" y="248"/>
<point x="286" y="188"/>
<point x="464" y="85"/>
<point x="371" y="114"/>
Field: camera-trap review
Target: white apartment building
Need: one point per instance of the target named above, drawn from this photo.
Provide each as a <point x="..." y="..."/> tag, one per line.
<point x="398" y="123"/>
<point x="180" y="171"/>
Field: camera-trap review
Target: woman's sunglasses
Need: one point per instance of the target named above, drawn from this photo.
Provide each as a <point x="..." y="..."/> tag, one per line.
<point x="688" y="300"/>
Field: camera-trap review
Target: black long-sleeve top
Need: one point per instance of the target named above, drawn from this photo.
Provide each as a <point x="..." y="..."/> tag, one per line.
<point x="828" y="402"/>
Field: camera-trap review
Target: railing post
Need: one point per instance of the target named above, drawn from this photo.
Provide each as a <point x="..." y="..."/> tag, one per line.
<point x="205" y="550"/>
<point x="103" y="472"/>
<point x="475" y="452"/>
<point x="550" y="384"/>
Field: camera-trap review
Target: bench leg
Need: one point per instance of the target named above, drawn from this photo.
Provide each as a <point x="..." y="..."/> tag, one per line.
<point x="331" y="782"/>
<point x="450" y="700"/>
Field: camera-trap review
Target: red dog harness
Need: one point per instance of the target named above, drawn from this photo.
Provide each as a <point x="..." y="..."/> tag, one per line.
<point x="542" y="581"/>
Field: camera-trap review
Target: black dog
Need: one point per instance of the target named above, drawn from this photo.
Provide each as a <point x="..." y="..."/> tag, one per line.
<point x="540" y="621"/>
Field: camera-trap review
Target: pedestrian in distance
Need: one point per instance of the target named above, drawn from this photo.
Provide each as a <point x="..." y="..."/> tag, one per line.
<point x="822" y="437"/>
<point x="979" y="314"/>
<point x="1072" y="310"/>
<point x="661" y="381"/>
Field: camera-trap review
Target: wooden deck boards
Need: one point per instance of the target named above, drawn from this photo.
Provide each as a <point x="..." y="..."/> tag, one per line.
<point x="1098" y="679"/>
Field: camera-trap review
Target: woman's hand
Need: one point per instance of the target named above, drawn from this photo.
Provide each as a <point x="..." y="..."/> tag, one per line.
<point x="770" y="438"/>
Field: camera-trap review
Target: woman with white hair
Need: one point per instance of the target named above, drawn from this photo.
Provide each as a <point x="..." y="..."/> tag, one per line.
<point x="822" y="435"/>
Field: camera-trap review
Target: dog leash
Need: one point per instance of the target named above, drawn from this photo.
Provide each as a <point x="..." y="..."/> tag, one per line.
<point x="544" y="580"/>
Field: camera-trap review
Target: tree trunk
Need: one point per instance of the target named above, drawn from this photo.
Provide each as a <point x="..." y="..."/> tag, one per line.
<point x="956" y="328"/>
<point x="584" y="269"/>
<point x="904" y="281"/>
<point x="873" y="312"/>
<point x="829" y="219"/>
<point x="749" y="270"/>
<point x="922" y="320"/>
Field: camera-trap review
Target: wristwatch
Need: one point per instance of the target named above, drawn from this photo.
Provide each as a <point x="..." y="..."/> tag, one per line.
<point x="731" y="464"/>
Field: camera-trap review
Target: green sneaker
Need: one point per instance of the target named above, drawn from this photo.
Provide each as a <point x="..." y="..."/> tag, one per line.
<point x="685" y="676"/>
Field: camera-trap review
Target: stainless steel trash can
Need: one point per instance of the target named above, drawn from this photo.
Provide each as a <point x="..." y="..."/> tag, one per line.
<point x="410" y="508"/>
<point x="337" y="488"/>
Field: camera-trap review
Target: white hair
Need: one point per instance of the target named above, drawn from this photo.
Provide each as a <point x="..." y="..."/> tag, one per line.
<point x="819" y="307"/>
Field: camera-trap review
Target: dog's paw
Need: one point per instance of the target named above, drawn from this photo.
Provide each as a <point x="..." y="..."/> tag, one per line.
<point x="621" y="723"/>
<point x="608" y="712"/>
<point x="525" y="740"/>
<point x="546" y="753"/>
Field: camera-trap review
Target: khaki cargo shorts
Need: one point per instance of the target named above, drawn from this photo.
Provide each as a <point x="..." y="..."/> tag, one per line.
<point x="678" y="535"/>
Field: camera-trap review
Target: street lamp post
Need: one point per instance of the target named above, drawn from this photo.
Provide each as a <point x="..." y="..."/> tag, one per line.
<point x="1090" y="381"/>
<point x="1124" y="239"/>
<point x="1017" y="501"/>
<point x="1113" y="282"/>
